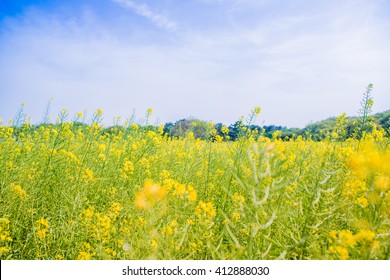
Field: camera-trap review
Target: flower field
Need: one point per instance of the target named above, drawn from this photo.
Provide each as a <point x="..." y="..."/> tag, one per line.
<point x="77" y="192"/>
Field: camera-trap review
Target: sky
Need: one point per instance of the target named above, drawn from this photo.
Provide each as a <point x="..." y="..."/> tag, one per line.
<point x="301" y="61"/>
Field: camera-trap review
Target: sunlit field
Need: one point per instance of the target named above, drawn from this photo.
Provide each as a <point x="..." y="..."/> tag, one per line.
<point x="72" y="191"/>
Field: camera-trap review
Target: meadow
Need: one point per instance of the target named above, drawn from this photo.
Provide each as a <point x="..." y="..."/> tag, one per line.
<point x="78" y="192"/>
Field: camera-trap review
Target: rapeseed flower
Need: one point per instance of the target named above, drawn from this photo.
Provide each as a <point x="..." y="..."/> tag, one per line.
<point x="365" y="236"/>
<point x="115" y="209"/>
<point x="340" y="251"/>
<point x="236" y="216"/>
<point x="5" y="236"/>
<point x="238" y="199"/>
<point x="205" y="211"/>
<point x="99" y="112"/>
<point x="127" y="170"/>
<point x="19" y="191"/>
<point x="84" y="256"/>
<point x="149" y="195"/>
<point x="42" y="226"/>
<point x="154" y="244"/>
<point x="191" y="193"/>
<point x="180" y="189"/>
<point x="88" y="175"/>
<point x="225" y="130"/>
<point x="382" y="183"/>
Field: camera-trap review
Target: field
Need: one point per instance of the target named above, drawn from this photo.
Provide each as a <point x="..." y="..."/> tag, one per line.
<point x="73" y="191"/>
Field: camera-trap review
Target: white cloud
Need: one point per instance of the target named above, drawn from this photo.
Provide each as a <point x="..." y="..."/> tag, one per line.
<point x="143" y="10"/>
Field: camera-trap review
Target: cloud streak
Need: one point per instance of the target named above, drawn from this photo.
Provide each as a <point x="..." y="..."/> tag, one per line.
<point x="143" y="10"/>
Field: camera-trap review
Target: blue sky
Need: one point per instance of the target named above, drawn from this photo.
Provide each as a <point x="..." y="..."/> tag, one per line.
<point x="300" y="60"/>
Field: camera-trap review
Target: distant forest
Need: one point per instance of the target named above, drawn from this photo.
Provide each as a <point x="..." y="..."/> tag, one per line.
<point x="345" y="127"/>
<point x="336" y="128"/>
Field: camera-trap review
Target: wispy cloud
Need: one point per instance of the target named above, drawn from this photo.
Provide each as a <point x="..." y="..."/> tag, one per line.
<point x="143" y="10"/>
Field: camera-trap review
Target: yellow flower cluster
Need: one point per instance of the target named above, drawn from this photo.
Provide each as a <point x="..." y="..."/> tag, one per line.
<point x="205" y="212"/>
<point x="369" y="179"/>
<point x="115" y="210"/>
<point x="42" y="226"/>
<point x="88" y="176"/>
<point x="356" y="190"/>
<point x="100" y="232"/>
<point x="86" y="253"/>
<point x="149" y="195"/>
<point x="127" y="170"/>
<point x="19" y="191"/>
<point x="170" y="229"/>
<point x="154" y="244"/>
<point x="69" y="155"/>
<point x="238" y="199"/>
<point x="84" y="256"/>
<point x="178" y="189"/>
<point x="382" y="183"/>
<point x="344" y="240"/>
<point x="5" y="237"/>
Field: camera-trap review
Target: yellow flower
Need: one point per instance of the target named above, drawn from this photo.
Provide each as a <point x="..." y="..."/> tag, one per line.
<point x="174" y="223"/>
<point x="115" y="209"/>
<point x="101" y="148"/>
<point x="4" y="250"/>
<point x="41" y="233"/>
<point x="149" y="195"/>
<point x="144" y="162"/>
<point x="179" y="190"/>
<point x="19" y="191"/>
<point x="191" y="193"/>
<point x="4" y="221"/>
<point x="375" y="245"/>
<point x="154" y="244"/>
<point x="190" y="135"/>
<point x="256" y="110"/>
<point x="42" y="222"/>
<point x="344" y="238"/>
<point x="340" y="251"/>
<point x="88" y="175"/>
<point x="362" y="201"/>
<point x="99" y="112"/>
<point x="236" y="217"/>
<point x="111" y="252"/>
<point x="237" y="198"/>
<point x="333" y="235"/>
<point x="127" y="170"/>
<point x="84" y="256"/>
<point x="205" y="209"/>
<point x="167" y="230"/>
<point x="141" y="221"/>
<point x="382" y="183"/>
<point x="365" y="236"/>
<point x="5" y="237"/>
<point x="224" y="130"/>
<point x="42" y="226"/>
<point x="88" y="213"/>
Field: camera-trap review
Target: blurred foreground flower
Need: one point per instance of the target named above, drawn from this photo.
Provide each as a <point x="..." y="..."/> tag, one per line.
<point x="149" y="195"/>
